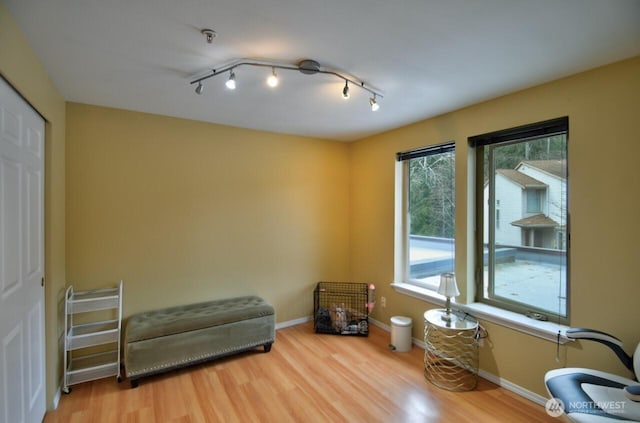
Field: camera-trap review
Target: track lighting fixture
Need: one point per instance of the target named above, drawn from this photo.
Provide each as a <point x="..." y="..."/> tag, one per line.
<point x="231" y="82"/>
<point x="345" y="90"/>
<point x="307" y="67"/>
<point x="374" y="104"/>
<point x="272" y="80"/>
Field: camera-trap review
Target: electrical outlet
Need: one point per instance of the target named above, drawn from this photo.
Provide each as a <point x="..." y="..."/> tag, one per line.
<point x="383" y="302"/>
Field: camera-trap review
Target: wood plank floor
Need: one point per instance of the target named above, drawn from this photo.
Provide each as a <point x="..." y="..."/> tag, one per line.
<point x="305" y="378"/>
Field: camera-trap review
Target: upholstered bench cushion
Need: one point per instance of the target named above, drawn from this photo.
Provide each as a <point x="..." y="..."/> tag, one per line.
<point x="191" y="317"/>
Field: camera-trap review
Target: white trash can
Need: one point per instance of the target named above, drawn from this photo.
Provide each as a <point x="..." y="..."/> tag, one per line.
<point x="401" y="333"/>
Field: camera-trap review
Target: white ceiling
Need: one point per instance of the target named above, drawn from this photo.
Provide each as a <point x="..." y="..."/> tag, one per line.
<point x="428" y="57"/>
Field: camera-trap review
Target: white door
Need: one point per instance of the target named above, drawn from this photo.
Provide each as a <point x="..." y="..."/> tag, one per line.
<point x="22" y="380"/>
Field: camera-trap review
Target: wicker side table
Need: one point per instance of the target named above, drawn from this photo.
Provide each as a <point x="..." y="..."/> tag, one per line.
<point x="451" y="354"/>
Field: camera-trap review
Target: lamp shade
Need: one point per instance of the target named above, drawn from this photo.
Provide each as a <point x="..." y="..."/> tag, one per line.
<point x="448" y="286"/>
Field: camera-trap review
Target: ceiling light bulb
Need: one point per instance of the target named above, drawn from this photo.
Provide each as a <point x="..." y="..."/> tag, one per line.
<point x="345" y="90"/>
<point x="272" y="81"/>
<point x="374" y="104"/>
<point x="231" y="82"/>
<point x="199" y="88"/>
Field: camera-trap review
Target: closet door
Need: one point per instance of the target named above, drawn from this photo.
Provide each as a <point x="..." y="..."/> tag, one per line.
<point x="22" y="356"/>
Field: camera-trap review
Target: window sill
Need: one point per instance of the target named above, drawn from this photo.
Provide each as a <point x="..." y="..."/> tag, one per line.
<point x="545" y="330"/>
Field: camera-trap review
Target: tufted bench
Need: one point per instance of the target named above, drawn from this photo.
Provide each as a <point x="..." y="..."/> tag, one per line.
<point x="161" y="340"/>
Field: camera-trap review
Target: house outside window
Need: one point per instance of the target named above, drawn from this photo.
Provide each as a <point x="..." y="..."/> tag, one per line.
<point x="425" y="215"/>
<point x="523" y="262"/>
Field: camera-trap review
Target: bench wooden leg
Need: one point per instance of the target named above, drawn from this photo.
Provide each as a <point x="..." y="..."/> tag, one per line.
<point x="267" y="347"/>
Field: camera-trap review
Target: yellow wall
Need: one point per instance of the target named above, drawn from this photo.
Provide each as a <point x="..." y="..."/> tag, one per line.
<point x="20" y="66"/>
<point x="604" y="204"/>
<point x="185" y="211"/>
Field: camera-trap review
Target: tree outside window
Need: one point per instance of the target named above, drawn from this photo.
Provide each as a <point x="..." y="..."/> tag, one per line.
<point x="430" y="214"/>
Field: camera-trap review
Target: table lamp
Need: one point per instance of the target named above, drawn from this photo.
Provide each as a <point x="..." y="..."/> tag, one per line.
<point x="449" y="289"/>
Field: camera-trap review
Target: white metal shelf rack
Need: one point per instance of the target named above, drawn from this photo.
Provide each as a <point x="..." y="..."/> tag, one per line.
<point x="94" y="331"/>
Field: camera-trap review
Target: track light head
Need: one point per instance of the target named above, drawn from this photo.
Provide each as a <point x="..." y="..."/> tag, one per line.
<point x="374" y="104"/>
<point x="231" y="82"/>
<point x="199" y="88"/>
<point x="272" y="80"/>
<point x="345" y="90"/>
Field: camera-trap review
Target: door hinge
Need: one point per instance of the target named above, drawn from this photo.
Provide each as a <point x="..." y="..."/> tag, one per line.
<point x="42" y="282"/>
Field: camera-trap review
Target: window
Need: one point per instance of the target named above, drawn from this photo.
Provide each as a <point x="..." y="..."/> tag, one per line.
<point x="425" y="214"/>
<point x="533" y="201"/>
<point x="522" y="181"/>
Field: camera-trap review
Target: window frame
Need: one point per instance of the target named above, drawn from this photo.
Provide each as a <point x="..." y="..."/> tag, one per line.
<point x="512" y="135"/>
<point x="402" y="270"/>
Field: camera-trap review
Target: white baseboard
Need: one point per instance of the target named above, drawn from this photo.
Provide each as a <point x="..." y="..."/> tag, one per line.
<point x="510" y="386"/>
<point x="294" y="322"/>
<point x="516" y="389"/>
<point x="379" y="324"/>
<point x="56" y="398"/>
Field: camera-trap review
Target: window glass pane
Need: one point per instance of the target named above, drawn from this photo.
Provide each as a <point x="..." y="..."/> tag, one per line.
<point x="431" y="211"/>
<point x="525" y="250"/>
<point x="533" y="201"/>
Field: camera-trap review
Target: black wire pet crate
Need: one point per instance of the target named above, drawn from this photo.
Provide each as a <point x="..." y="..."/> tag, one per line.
<point x="341" y="308"/>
